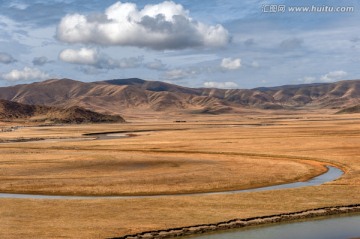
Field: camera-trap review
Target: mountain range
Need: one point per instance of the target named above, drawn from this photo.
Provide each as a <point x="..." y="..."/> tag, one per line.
<point x="127" y="96"/>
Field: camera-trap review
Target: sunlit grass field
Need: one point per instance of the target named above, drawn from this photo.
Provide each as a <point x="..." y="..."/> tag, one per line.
<point x="203" y="154"/>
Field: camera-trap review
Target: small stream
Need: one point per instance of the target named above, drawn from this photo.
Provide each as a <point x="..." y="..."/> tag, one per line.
<point x="332" y="174"/>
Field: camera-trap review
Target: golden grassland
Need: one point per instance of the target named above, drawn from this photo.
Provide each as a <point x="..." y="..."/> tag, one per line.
<point x="210" y="153"/>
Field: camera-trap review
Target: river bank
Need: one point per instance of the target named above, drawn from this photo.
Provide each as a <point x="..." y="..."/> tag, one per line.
<point x="245" y="222"/>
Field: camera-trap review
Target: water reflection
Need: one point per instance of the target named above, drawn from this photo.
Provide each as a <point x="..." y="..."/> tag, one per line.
<point x="330" y="228"/>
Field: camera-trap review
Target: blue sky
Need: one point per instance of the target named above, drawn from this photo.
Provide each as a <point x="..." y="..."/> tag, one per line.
<point x="213" y="43"/>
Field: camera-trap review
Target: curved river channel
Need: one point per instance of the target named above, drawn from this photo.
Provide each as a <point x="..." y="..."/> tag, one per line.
<point x="343" y="227"/>
<point x="332" y="174"/>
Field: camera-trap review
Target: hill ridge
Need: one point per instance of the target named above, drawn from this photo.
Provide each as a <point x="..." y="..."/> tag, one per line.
<point x="131" y="95"/>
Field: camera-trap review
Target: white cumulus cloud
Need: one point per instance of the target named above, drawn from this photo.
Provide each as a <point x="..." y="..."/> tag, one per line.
<point x="83" y="56"/>
<point x="166" y="25"/>
<point x="230" y="63"/>
<point x="333" y="76"/>
<point x="91" y="57"/>
<point x="178" y="74"/>
<point x="329" y="77"/>
<point x="221" y="85"/>
<point x="26" y="74"/>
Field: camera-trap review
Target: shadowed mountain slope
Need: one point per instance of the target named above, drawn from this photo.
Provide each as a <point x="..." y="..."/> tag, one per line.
<point x="10" y="110"/>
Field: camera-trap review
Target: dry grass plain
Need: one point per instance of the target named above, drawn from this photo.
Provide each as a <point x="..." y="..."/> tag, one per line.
<point x="211" y="153"/>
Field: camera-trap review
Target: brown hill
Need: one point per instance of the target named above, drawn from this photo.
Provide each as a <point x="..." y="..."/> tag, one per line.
<point x="127" y="96"/>
<point x="10" y="111"/>
<point x="350" y="110"/>
<point x="110" y="96"/>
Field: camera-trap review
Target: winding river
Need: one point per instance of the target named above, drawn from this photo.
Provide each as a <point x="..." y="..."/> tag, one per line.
<point x="346" y="227"/>
<point x="332" y="174"/>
